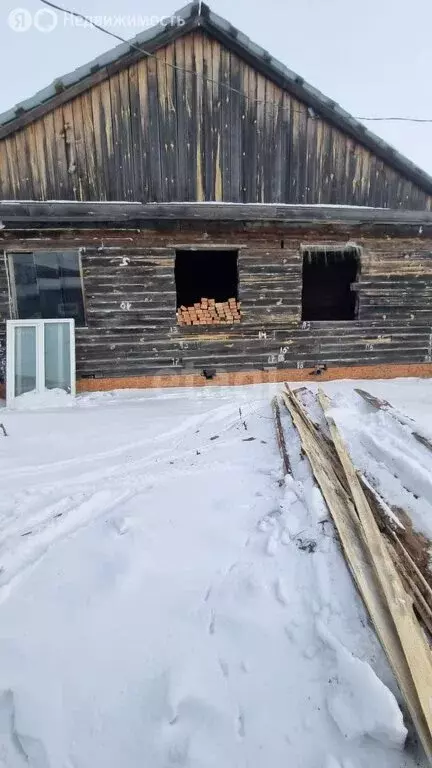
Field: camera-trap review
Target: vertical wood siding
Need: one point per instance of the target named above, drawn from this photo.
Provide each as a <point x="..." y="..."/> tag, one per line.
<point x="156" y="133"/>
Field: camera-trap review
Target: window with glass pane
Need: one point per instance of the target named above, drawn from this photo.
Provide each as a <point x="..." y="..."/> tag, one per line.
<point x="47" y="284"/>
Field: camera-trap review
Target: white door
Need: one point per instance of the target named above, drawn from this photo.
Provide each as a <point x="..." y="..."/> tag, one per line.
<point x="40" y="355"/>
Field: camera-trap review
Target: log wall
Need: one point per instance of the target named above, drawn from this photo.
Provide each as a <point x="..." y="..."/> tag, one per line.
<point x="131" y="305"/>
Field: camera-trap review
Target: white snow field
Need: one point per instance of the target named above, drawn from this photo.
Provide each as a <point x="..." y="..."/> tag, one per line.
<point x="166" y="600"/>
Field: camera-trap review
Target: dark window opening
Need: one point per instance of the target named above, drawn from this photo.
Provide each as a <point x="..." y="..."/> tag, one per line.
<point x="47" y="284"/>
<point x="208" y="282"/>
<point x="327" y="280"/>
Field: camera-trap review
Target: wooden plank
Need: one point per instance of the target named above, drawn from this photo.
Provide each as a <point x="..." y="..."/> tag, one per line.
<point x="71" y="180"/>
<point x="225" y="111"/>
<point x="82" y="175"/>
<point x="137" y="148"/>
<point x="156" y="192"/>
<point x="260" y="138"/>
<point x="278" y="166"/>
<point x="24" y="185"/>
<point x="421" y="606"/>
<point x="58" y="179"/>
<point x="145" y="189"/>
<point x="191" y="117"/>
<point x="41" y="155"/>
<point x="101" y="158"/>
<point x="236" y="148"/>
<point x="286" y="149"/>
<point x="250" y="159"/>
<point x="162" y="86"/>
<point x="352" y="538"/>
<point x="325" y="171"/>
<point x="399" y="603"/>
<point x="216" y="122"/>
<point x="274" y="217"/>
<point x="198" y="118"/>
<point x="245" y="128"/>
<point x="182" y="122"/>
<point x="311" y="192"/>
<point x="340" y="169"/>
<point x="207" y="120"/>
<point x="356" y="169"/>
<point x="33" y="165"/>
<point x="12" y="165"/>
<point x="413" y="566"/>
<point x="117" y="180"/>
<point x="126" y="164"/>
<point x="171" y="122"/>
<point x="5" y="182"/>
<point x="303" y="154"/>
<point x="268" y="139"/>
<point x="384" y="405"/>
<point x="280" y="437"/>
<point x="296" y="159"/>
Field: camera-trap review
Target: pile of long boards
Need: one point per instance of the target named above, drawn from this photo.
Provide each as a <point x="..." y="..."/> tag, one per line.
<point x="210" y="312"/>
<point x="396" y="594"/>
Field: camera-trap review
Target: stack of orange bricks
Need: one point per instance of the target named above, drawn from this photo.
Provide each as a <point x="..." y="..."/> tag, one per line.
<point x="210" y="312"/>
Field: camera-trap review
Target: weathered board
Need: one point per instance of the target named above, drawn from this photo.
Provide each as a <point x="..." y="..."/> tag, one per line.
<point x="130" y="299"/>
<point x="4" y="315"/>
<point x="156" y="130"/>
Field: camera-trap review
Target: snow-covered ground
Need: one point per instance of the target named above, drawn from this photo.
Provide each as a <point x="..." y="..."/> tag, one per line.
<point x="166" y="600"/>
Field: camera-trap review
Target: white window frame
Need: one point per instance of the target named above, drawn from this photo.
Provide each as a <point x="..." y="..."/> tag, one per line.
<point x="39" y="325"/>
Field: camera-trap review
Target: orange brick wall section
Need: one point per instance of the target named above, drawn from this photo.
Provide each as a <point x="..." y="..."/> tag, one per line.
<point x="423" y="370"/>
<point x="240" y="378"/>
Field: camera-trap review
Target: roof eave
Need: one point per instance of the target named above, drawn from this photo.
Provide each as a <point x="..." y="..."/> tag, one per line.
<point x="16" y="216"/>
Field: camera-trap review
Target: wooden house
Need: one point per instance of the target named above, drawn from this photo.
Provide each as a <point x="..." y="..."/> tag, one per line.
<point x="206" y="215"/>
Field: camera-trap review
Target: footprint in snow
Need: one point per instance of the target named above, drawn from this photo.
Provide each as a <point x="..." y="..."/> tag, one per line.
<point x="310" y="651"/>
<point x="307" y="723"/>
<point x="281" y="593"/>
<point x="178" y="753"/>
<point x="121" y="525"/>
<point x="212" y="625"/>
<point x="16" y="749"/>
<point x="272" y="544"/>
<point x="291" y="632"/>
<point x="241" y="725"/>
<point x="207" y="595"/>
<point x="224" y="667"/>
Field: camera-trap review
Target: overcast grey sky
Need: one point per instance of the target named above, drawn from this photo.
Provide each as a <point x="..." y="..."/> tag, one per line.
<point x="373" y="57"/>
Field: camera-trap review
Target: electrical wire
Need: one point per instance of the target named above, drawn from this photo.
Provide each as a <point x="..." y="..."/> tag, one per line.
<point x="207" y="79"/>
<point x="398" y="119"/>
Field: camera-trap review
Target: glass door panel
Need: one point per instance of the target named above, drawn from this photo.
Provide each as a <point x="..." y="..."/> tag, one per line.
<point x="57" y="361"/>
<point x="25" y="359"/>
